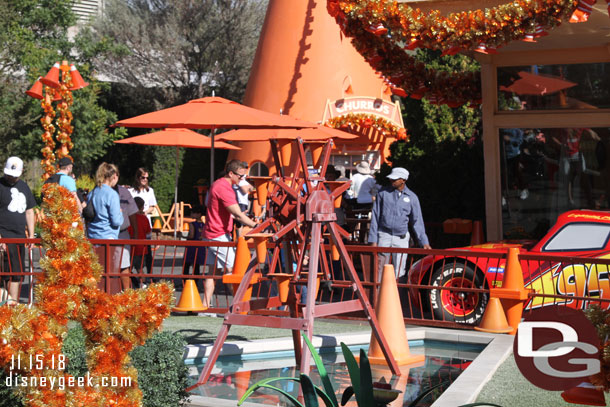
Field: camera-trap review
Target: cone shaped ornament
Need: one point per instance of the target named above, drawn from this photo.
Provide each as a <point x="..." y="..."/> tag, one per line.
<point x="77" y="80"/>
<point x="389" y="315"/>
<point x="36" y="90"/>
<point x="303" y="61"/>
<point x="52" y="77"/>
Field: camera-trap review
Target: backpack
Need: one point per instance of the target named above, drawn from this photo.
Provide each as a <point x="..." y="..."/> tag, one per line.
<point x="53" y="179"/>
<point x="89" y="211"/>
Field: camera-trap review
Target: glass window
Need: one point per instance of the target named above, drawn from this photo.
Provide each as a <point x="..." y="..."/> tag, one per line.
<point x="545" y="87"/>
<point x="579" y="236"/>
<point x="258" y="169"/>
<point x="545" y="172"/>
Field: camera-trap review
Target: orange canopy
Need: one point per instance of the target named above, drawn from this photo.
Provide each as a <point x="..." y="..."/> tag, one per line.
<point x="212" y="113"/>
<point x="311" y="134"/>
<point x="176" y="138"/>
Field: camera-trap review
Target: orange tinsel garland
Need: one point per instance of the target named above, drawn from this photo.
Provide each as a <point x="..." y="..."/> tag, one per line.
<point x="48" y="161"/>
<point x="366" y="121"/>
<point x="67" y="290"/>
<point x="65" y="115"/>
<point x="381" y="30"/>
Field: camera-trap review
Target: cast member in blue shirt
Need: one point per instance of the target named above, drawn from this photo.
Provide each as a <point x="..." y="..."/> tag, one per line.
<point x="395" y="210"/>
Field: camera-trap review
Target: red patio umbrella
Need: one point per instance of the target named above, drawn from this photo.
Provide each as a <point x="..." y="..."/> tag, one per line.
<point x="176" y="138"/>
<point x="532" y="84"/>
<point x="212" y="113"/>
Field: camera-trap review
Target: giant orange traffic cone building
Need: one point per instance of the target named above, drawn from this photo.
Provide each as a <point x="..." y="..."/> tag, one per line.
<point x="303" y="61"/>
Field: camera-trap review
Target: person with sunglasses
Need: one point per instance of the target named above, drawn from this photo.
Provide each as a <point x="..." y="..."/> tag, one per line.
<point x="222" y="209"/>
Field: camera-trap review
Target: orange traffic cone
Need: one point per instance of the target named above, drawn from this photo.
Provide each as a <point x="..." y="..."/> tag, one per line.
<point x="240" y="266"/>
<point x="512" y="294"/>
<point x="36" y="90"/>
<point x="157" y="224"/>
<point x="77" y="80"/>
<point x="494" y="320"/>
<point x="391" y="323"/>
<point x="190" y="301"/>
<point x="477" y="236"/>
<point x="52" y="77"/>
<point x="585" y="393"/>
<point x="316" y="153"/>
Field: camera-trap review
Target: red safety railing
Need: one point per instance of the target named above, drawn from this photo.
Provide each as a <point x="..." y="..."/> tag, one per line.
<point x="440" y="279"/>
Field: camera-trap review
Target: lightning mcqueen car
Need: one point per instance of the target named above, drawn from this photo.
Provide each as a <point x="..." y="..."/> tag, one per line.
<point x="581" y="233"/>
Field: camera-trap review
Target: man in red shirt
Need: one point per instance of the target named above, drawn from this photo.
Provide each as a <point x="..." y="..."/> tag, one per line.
<point x="222" y="209"/>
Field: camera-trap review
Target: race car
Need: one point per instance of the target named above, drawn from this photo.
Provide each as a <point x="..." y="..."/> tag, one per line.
<point x="580" y="233"/>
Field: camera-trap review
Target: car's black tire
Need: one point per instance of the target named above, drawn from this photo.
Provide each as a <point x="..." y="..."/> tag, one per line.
<point x="458" y="306"/>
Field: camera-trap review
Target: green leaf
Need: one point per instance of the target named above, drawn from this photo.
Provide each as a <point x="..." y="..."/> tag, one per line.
<point x="328" y="387"/>
<point x="354" y="371"/>
<point x="262" y="383"/>
<point x="366" y="381"/>
<point x="309" y="392"/>
<point x="347" y="394"/>
<point x="479" y="404"/>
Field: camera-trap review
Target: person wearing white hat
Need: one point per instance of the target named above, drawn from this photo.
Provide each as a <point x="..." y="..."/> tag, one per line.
<point x="16" y="213"/>
<point x="363" y="171"/>
<point x="395" y="210"/>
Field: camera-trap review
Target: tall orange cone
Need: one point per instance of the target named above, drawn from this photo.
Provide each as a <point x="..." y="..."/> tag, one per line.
<point x="477" y="236"/>
<point x="512" y="294"/>
<point x="240" y="266"/>
<point x="190" y="301"/>
<point x="391" y="323"/>
<point x="494" y="320"/>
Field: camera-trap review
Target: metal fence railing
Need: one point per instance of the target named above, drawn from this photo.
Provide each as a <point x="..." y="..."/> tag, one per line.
<point x="443" y="288"/>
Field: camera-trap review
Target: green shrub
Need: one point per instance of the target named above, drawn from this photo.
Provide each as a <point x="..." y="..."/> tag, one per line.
<point x="85" y="182"/>
<point x="162" y="374"/>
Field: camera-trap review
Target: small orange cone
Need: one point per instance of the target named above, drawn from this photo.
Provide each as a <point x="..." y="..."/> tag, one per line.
<point x="77" y="80"/>
<point x="391" y="323"/>
<point x="52" y="77"/>
<point x="494" y="320"/>
<point x="477" y="236"/>
<point x="190" y="301"/>
<point x="36" y="90"/>
<point x="283" y="284"/>
<point x="585" y="393"/>
<point x="157" y="224"/>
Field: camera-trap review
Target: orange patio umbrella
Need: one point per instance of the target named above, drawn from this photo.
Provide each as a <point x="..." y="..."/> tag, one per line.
<point x="176" y="138"/>
<point x="320" y="133"/>
<point x="212" y="113"/>
<point x="532" y="84"/>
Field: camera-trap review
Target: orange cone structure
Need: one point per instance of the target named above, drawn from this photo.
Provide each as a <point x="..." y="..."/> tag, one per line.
<point x="477" y="236"/>
<point x="302" y="61"/>
<point x="260" y="243"/>
<point x="157" y="224"/>
<point x="494" y="320"/>
<point x="77" y="80"/>
<point x="190" y="301"/>
<point x="240" y="266"/>
<point x="242" y="382"/>
<point x="391" y="322"/>
<point x="513" y="293"/>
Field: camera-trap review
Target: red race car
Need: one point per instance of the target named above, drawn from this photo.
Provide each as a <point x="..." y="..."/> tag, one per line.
<point x="581" y="233"/>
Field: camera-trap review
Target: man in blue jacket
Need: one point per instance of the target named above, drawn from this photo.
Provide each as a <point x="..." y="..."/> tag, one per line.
<point x="396" y="209"/>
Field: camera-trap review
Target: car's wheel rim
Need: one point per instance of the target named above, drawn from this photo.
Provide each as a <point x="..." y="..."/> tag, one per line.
<point x="459" y="303"/>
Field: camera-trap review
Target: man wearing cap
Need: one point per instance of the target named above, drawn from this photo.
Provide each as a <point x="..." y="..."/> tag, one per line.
<point x="67" y="181"/>
<point x="16" y="213"/>
<point x="395" y="210"/>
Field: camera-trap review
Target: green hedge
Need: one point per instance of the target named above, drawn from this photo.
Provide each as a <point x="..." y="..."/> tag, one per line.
<point x="162" y="374"/>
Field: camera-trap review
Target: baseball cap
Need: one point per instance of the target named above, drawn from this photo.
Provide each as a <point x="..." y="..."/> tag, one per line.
<point x="65" y="161"/>
<point x="13" y="167"/>
<point x="399" y="172"/>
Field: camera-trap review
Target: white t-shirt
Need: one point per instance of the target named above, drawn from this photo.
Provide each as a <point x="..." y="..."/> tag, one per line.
<point x="148" y="197"/>
<point x="242" y="198"/>
<point x="357" y="180"/>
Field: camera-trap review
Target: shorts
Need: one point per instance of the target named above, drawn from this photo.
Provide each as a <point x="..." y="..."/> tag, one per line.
<point x="222" y="257"/>
<point x="125" y="258"/>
